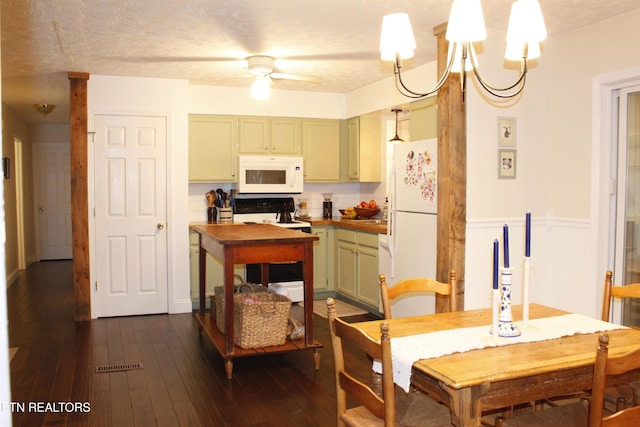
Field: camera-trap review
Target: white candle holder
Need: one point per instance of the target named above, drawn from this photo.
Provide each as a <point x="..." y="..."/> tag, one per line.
<point x="506" y="327"/>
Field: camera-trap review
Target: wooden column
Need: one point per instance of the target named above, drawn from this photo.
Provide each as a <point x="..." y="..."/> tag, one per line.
<point x="452" y="176"/>
<point x="80" y="195"/>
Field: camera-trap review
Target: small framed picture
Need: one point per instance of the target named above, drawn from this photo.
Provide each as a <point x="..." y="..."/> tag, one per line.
<point x="506" y="164"/>
<point x="506" y="131"/>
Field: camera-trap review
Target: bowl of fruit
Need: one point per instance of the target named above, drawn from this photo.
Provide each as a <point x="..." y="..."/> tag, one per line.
<point x="348" y="213"/>
<point x="367" y="210"/>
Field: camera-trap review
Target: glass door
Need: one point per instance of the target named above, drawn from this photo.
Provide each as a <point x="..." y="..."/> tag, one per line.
<point x="627" y="253"/>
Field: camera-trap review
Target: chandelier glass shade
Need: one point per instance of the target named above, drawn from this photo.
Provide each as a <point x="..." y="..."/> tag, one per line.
<point x="466" y="26"/>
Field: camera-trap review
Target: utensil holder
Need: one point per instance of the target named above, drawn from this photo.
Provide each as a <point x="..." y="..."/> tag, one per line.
<point x="506" y="327"/>
<point x="226" y="215"/>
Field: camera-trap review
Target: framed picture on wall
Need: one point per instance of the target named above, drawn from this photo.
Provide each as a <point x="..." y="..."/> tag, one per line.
<point x="506" y="164"/>
<point x="506" y="131"/>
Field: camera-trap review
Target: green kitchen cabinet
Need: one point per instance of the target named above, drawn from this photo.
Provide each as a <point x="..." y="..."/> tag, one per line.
<point x="423" y="119"/>
<point x="323" y="250"/>
<point x="357" y="266"/>
<point x="321" y="150"/>
<point x="213" y="143"/>
<point x="269" y="136"/>
<point x="363" y="148"/>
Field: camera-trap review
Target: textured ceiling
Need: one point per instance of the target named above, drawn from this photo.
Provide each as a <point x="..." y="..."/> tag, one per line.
<point x="205" y="41"/>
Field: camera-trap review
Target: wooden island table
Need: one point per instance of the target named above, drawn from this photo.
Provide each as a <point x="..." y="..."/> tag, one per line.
<point x="254" y="244"/>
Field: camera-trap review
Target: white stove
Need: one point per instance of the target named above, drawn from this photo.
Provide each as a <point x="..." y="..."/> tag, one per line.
<point x="284" y="278"/>
<point x="266" y="210"/>
<point x="267" y="218"/>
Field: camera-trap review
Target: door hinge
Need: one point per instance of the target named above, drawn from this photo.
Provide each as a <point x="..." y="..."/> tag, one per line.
<point x="93" y="136"/>
<point x="96" y="285"/>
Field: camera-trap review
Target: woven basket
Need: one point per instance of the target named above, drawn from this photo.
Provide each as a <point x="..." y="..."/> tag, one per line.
<point x="217" y="300"/>
<point x="261" y="319"/>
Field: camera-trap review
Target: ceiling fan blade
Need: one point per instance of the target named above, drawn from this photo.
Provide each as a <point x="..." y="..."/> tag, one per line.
<point x="296" y="77"/>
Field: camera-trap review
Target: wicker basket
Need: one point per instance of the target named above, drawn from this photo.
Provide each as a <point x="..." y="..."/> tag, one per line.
<point x="261" y="319"/>
<point x="217" y="300"/>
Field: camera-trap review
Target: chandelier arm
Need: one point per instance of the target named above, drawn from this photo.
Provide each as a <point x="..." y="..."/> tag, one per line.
<point x="404" y="90"/>
<point x="499" y="93"/>
<point x="495" y="91"/>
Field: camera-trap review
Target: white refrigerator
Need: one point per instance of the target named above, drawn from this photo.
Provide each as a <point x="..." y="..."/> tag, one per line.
<point x="409" y="247"/>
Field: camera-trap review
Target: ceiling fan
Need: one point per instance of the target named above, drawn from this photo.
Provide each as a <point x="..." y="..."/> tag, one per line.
<point x="261" y="67"/>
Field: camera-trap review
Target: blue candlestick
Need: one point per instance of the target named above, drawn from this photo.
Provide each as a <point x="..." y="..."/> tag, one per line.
<point x="495" y="264"/>
<point x="506" y="245"/>
<point x="527" y="244"/>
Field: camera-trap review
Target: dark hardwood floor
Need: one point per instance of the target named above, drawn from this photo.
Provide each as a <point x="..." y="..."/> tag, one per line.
<point x="182" y="382"/>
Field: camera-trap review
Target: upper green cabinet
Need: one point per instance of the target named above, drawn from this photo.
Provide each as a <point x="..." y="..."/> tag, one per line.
<point x="264" y="135"/>
<point x="423" y="119"/>
<point x="363" y="148"/>
<point x="321" y="150"/>
<point x="212" y="148"/>
<point x="215" y="141"/>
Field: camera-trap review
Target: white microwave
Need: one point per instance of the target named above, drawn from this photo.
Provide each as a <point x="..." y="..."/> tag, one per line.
<point x="270" y="174"/>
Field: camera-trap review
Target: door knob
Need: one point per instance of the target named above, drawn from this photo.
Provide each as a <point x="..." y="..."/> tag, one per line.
<point x="41" y="209"/>
<point x="160" y="225"/>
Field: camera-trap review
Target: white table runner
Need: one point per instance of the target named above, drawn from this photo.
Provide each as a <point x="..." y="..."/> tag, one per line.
<point x="407" y="350"/>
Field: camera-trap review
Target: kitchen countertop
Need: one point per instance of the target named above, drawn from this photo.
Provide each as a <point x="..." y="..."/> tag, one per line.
<point x="367" y="225"/>
<point x="353" y="224"/>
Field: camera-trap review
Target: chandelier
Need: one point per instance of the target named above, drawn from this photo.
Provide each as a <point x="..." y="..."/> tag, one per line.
<point x="466" y="25"/>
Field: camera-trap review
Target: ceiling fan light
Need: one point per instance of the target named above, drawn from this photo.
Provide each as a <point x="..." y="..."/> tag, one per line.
<point x="396" y="37"/>
<point x="466" y="22"/>
<point x="526" y="22"/>
<point x="261" y="88"/>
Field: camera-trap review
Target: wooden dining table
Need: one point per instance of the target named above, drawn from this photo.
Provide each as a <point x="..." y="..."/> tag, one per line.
<point x="491" y="378"/>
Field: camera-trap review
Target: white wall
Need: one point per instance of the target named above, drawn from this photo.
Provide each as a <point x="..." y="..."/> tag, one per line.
<point x="554" y="175"/>
<point x="160" y="97"/>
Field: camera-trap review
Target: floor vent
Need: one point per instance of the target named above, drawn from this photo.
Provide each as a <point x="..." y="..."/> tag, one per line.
<point x="118" y="367"/>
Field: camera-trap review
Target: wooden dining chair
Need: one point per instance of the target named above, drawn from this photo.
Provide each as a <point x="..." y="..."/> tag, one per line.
<point x="611" y="292"/>
<point x="394" y="407"/>
<point x="580" y="414"/>
<point x="629" y="392"/>
<point x="417" y="285"/>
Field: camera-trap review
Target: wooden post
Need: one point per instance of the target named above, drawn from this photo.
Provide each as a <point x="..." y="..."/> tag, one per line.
<point x="80" y="195"/>
<point x="452" y="177"/>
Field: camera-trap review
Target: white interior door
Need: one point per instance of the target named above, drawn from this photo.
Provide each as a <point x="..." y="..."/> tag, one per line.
<point x="52" y="192"/>
<point x="130" y="214"/>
